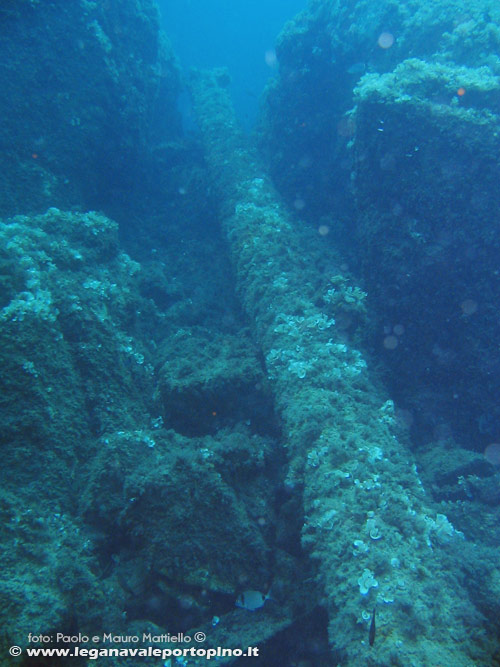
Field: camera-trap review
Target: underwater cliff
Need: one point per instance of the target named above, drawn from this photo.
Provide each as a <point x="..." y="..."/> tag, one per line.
<point x="249" y="379"/>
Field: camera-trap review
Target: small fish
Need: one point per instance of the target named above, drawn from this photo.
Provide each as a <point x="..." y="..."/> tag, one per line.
<point x="252" y="600"/>
<point x="371" y="634"/>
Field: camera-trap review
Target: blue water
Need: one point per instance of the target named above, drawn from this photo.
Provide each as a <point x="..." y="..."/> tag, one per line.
<point x="231" y="33"/>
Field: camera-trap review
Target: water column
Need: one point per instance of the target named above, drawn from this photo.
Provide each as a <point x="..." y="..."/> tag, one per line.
<point x="367" y="523"/>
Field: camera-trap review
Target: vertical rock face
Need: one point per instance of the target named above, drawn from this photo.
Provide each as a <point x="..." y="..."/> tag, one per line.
<point x="87" y="87"/>
<point x="426" y="191"/>
<point x="67" y="342"/>
<point x="367" y="523"/>
<point x="325" y="50"/>
<point x="384" y="122"/>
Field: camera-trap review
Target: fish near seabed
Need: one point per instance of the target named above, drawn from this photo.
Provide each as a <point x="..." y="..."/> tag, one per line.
<point x="252" y="600"/>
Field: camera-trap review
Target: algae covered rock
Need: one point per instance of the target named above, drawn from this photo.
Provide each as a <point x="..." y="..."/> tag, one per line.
<point x="323" y="53"/>
<point x="66" y="314"/>
<point x="427" y="245"/>
<point x="67" y="363"/>
<point x="99" y="497"/>
<point x="48" y="573"/>
<point x="192" y="510"/>
<point x="91" y="88"/>
<point x="206" y="378"/>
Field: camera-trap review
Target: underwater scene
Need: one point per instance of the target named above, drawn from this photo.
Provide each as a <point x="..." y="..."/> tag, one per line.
<point x="250" y="333"/>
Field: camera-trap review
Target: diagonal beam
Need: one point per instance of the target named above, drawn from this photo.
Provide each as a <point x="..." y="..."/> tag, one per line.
<point x="368" y="524"/>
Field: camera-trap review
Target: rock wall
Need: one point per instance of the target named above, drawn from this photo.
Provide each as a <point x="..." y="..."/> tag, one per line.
<point x="87" y="89"/>
<point x="382" y="129"/>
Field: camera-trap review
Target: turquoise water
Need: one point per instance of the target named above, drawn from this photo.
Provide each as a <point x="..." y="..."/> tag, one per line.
<point x="233" y="35"/>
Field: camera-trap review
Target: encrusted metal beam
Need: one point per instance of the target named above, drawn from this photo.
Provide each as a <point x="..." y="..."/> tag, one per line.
<point x="367" y="521"/>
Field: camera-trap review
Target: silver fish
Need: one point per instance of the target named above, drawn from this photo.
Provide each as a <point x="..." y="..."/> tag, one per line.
<point x="251" y="600"/>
